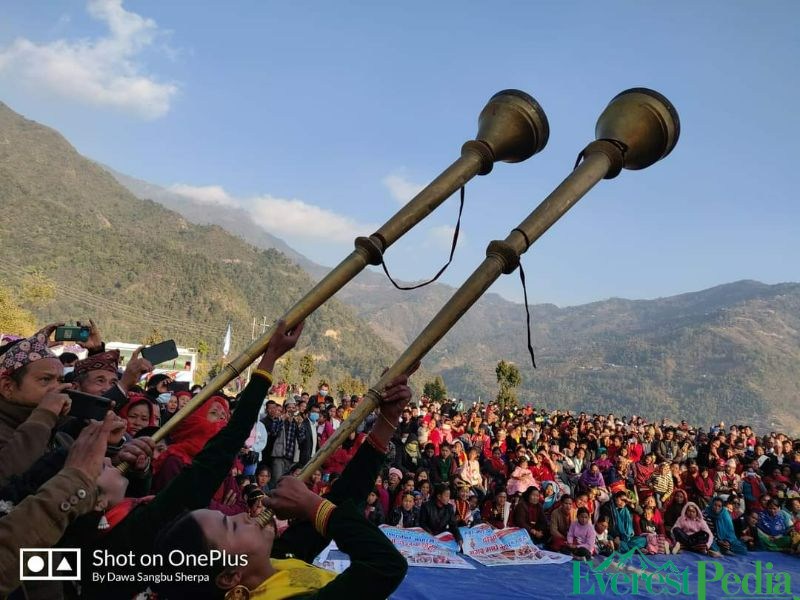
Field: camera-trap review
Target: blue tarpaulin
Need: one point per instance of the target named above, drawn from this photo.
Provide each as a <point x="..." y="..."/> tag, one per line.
<point x="558" y="581"/>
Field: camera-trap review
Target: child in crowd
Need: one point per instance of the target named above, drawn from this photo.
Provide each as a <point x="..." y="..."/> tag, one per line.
<point x="581" y="537"/>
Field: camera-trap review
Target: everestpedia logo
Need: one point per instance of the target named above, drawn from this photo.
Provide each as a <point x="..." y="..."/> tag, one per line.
<point x="634" y="573"/>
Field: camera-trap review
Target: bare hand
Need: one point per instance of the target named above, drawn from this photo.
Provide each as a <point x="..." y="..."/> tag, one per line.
<point x="137" y="453"/>
<point x="136" y="367"/>
<point x="48" y="330"/>
<point x="57" y="402"/>
<point x="395" y="398"/>
<point x="89" y="450"/>
<point x="280" y="343"/>
<point x="292" y="500"/>
<point x="95" y="341"/>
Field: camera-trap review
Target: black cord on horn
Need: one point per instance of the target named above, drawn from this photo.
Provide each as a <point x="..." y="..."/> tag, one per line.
<point x="444" y="268"/>
<point x="525" y="296"/>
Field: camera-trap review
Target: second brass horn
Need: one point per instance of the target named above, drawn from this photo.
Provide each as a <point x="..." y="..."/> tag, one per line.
<point x="637" y="128"/>
<point x="511" y="128"/>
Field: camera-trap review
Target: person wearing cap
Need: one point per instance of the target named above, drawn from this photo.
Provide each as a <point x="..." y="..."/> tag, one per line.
<point x="287" y="431"/>
<point x="727" y="481"/>
<point x="32" y="400"/>
<point x="98" y="375"/>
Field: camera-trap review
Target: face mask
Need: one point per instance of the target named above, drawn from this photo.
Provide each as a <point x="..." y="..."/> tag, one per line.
<point x="68" y="370"/>
<point x="313" y="417"/>
<point x="323" y="393"/>
<point x="164" y="398"/>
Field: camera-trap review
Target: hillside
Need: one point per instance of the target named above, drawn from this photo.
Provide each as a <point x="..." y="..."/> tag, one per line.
<point x="732" y="350"/>
<point x="729" y="351"/>
<point x="136" y="266"/>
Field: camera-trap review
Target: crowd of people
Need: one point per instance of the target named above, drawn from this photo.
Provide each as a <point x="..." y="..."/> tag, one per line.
<point x="589" y="484"/>
<point x="583" y="484"/>
<point x="183" y="497"/>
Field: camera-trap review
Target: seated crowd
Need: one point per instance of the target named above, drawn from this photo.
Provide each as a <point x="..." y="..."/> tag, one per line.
<point x="589" y="484"/>
<point x="582" y="484"/>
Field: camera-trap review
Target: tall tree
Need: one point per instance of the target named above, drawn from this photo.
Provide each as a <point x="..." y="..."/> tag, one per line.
<point x="508" y="378"/>
<point x="307" y="369"/>
<point x="435" y="390"/>
<point x="287" y="368"/>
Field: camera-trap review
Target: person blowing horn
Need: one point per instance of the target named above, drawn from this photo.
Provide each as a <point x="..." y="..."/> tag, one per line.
<point x="278" y="568"/>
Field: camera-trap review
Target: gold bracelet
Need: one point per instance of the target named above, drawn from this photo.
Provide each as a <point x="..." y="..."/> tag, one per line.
<point x="323" y="515"/>
<point x="388" y="422"/>
<point x="263" y="373"/>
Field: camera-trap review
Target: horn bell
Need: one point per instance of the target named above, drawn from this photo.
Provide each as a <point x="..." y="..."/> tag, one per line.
<point x="513" y="126"/>
<point x="645" y="122"/>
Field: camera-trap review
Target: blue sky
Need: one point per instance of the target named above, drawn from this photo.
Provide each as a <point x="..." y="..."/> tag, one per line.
<point x="321" y="118"/>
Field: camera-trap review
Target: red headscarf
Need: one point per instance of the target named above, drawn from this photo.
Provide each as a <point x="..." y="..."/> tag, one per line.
<point x="136" y="400"/>
<point x="191" y="434"/>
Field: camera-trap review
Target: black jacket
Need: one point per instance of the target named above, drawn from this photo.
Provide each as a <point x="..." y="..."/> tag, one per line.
<point x="435" y="519"/>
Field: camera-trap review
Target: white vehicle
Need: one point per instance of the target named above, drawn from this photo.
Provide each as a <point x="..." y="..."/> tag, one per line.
<point x="180" y="369"/>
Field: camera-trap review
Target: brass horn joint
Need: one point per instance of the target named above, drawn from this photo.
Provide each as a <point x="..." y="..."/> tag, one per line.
<point x="370" y="248"/>
<point x="614" y="150"/>
<point x="506" y="253"/>
<point x="483" y="151"/>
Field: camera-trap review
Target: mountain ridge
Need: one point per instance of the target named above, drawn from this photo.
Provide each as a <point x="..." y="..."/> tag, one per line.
<point x="697" y="355"/>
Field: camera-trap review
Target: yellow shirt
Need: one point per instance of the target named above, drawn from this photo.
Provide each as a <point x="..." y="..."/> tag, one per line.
<point x="293" y="577"/>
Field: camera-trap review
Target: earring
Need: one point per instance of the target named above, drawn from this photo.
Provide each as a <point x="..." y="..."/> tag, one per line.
<point x="240" y="592"/>
<point x="103" y="523"/>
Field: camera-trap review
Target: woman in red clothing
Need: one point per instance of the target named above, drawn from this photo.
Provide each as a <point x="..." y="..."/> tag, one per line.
<point x="641" y="477"/>
<point x="495" y="511"/>
<point x="188" y="438"/>
<point x="704" y="484"/>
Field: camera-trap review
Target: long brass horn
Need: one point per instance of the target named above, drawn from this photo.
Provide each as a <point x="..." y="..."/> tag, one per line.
<point x="637" y="128"/>
<point x="511" y="128"/>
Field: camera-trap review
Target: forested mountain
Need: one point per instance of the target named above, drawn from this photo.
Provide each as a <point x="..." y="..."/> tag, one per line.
<point x="136" y="266"/>
<point x="733" y="350"/>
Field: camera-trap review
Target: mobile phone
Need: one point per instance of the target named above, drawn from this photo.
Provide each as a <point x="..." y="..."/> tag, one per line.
<point x="179" y="386"/>
<point x="87" y="406"/>
<point x="72" y="333"/>
<point x="161" y="352"/>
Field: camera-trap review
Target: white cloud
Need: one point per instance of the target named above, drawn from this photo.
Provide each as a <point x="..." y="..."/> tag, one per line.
<point x="300" y="219"/>
<point x="100" y="72"/>
<point x="401" y="189"/>
<point x="207" y="194"/>
<point x="280" y="216"/>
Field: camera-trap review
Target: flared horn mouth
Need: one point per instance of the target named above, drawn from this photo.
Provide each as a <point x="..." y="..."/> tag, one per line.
<point x="513" y="126"/>
<point x="644" y="122"/>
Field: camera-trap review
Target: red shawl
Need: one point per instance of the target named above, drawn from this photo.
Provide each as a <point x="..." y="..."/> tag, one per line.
<point x="136" y="400"/>
<point x="191" y="434"/>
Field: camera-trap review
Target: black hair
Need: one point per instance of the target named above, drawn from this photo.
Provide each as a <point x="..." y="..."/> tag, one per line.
<point x="583" y="511"/>
<point x="67" y="357"/>
<point x="156" y="379"/>
<point x="440" y="488"/>
<point x="185" y="535"/>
